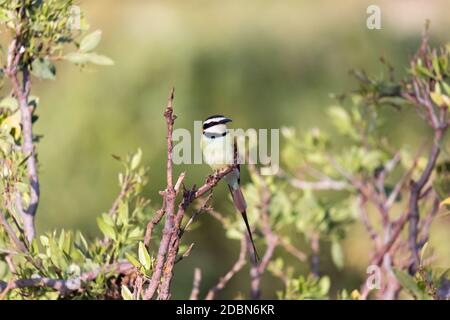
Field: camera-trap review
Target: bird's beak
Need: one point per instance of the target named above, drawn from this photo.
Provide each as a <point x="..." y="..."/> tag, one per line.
<point x="226" y="120"/>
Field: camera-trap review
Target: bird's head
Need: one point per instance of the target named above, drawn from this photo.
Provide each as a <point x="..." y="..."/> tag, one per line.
<point x="215" y="125"/>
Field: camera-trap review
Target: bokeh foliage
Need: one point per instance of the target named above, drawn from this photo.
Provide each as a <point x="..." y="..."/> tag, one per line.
<point x="224" y="59"/>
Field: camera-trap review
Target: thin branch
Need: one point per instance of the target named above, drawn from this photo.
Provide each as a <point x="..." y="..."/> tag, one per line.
<point x="400" y="184"/>
<point x="315" y="258"/>
<point x="164" y="287"/>
<point x="12" y="234"/>
<point x="185" y="254"/>
<point x="324" y="184"/>
<point x="425" y="227"/>
<point x="169" y="244"/>
<point x="416" y="189"/>
<point x="160" y="213"/>
<point x="22" y="91"/>
<point x="378" y="258"/>
<point x="152" y="223"/>
<point x="169" y="204"/>
<point x="237" y="266"/>
<point x="257" y="270"/>
<point x="196" y="284"/>
<point x="366" y="222"/>
<point x="122" y="194"/>
<point x="300" y="255"/>
<point x="69" y="285"/>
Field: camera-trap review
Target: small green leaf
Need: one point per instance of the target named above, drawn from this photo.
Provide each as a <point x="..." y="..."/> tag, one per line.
<point x="91" y="41"/>
<point x="108" y="220"/>
<point x="100" y="59"/>
<point x="337" y="254"/>
<point x="136" y="160"/>
<point x="44" y="241"/>
<point x="341" y="119"/>
<point x="126" y="293"/>
<point x="132" y="260"/>
<point x="446" y="88"/>
<point x="77" y="57"/>
<point x="435" y="62"/>
<point x="82" y="58"/>
<point x="9" y="103"/>
<point x="123" y="213"/>
<point x="408" y="282"/>
<point x="107" y="229"/>
<point x="144" y="257"/>
<point x="4" y="15"/>
<point x="324" y="285"/>
<point x="43" y="69"/>
<point x="233" y="233"/>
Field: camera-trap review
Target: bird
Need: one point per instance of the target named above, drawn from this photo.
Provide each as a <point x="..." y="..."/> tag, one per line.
<point x="218" y="148"/>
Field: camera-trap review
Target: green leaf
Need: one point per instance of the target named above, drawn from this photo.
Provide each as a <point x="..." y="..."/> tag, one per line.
<point x="123" y="213"/>
<point x="341" y="119"/>
<point x="77" y="57"/>
<point x="337" y="254"/>
<point x="82" y="58"/>
<point x="9" y="103"/>
<point x="144" y="257"/>
<point x="91" y="41"/>
<point x="83" y="241"/>
<point x="233" y="233"/>
<point x="436" y="67"/>
<point x="100" y="59"/>
<point x="43" y="69"/>
<point x="408" y="282"/>
<point x="108" y="220"/>
<point x="436" y="95"/>
<point x="44" y="241"/>
<point x="126" y="293"/>
<point x="446" y="88"/>
<point x="324" y="285"/>
<point x="136" y="160"/>
<point x="132" y="260"/>
<point x="105" y="228"/>
<point x="135" y="233"/>
<point x="4" y="15"/>
<point x="424" y="253"/>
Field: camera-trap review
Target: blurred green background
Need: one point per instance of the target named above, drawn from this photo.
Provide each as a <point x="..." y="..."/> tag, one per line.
<point x="266" y="64"/>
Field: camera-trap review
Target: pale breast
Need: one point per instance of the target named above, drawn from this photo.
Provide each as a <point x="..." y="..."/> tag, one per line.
<point x="218" y="152"/>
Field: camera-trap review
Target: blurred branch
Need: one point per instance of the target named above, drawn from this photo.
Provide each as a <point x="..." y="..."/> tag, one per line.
<point x="12" y="234"/>
<point x="196" y="284"/>
<point x="300" y="255"/>
<point x="169" y="203"/>
<point x="258" y="269"/>
<point x="67" y="286"/>
<point x="21" y="90"/>
<point x="315" y="258"/>
<point x="126" y="186"/>
<point x="237" y="266"/>
<point x="416" y="189"/>
<point x="324" y="184"/>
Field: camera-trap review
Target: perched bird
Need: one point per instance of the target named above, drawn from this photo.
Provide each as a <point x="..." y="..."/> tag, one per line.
<point x="218" y="147"/>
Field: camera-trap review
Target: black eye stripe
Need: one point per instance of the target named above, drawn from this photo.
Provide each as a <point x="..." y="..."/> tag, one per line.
<point x="209" y="125"/>
<point x="214" y="123"/>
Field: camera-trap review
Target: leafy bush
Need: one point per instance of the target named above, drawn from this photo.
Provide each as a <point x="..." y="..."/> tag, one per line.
<point x="395" y="192"/>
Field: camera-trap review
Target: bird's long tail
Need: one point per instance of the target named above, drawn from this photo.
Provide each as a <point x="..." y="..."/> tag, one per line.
<point x="241" y="205"/>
